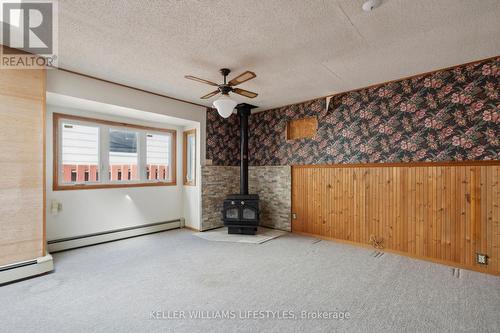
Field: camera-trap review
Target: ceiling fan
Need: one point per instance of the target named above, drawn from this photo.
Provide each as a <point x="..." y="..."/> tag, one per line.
<point x="225" y="104"/>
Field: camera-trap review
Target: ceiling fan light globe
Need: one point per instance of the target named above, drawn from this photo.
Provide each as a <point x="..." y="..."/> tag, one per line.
<point x="224" y="106"/>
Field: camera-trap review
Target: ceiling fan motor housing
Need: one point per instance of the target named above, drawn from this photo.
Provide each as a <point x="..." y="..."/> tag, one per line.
<point x="225" y="89"/>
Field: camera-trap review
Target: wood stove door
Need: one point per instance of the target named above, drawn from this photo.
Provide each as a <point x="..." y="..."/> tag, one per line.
<point x="249" y="213"/>
<point x="232" y="213"/>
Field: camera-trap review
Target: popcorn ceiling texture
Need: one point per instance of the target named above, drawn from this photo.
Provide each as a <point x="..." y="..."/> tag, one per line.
<point x="449" y="115"/>
<point x="298" y="49"/>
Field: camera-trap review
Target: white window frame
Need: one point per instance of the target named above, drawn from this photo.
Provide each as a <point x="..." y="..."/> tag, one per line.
<point x="105" y="148"/>
<point x="59" y="159"/>
<point x="172" y="154"/>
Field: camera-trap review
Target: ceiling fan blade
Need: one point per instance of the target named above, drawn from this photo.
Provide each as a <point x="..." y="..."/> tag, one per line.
<point x="194" y="78"/>
<point x="213" y="93"/>
<point x="245" y="93"/>
<point x="242" y="78"/>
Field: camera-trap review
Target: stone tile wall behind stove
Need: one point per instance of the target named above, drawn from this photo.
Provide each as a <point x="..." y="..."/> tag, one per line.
<point x="216" y="183"/>
<point x="272" y="183"/>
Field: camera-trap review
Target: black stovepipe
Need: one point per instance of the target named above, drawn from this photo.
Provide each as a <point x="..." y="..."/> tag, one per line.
<point x="244" y="111"/>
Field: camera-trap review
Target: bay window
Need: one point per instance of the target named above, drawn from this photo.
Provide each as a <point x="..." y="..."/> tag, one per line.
<point x="91" y="153"/>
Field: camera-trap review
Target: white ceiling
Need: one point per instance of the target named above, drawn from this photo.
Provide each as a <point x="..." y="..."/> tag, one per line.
<point x="298" y="49"/>
<point x="65" y="101"/>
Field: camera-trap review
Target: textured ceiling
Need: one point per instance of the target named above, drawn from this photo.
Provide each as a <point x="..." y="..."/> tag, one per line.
<point x="64" y="101"/>
<point x="298" y="49"/>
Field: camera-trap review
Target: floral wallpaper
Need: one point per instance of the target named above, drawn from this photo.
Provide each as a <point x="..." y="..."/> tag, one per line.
<point x="448" y="115"/>
<point x="223" y="139"/>
<point x="267" y="138"/>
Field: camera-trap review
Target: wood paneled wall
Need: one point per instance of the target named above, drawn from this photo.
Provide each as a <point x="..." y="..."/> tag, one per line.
<point x="22" y="123"/>
<point x="443" y="212"/>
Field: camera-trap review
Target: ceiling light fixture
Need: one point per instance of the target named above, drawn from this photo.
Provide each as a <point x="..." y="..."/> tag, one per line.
<point x="370" y="5"/>
<point x="224" y="105"/>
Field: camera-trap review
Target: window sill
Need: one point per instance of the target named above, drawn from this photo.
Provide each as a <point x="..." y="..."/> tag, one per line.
<point x="105" y="186"/>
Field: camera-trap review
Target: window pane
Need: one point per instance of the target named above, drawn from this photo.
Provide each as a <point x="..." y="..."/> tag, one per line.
<point x="159" y="150"/>
<point x="191" y="157"/>
<point x="80" y="153"/>
<point x="123" y="157"/>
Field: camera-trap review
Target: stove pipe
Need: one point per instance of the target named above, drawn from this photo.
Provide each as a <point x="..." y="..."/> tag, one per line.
<point x="244" y="111"/>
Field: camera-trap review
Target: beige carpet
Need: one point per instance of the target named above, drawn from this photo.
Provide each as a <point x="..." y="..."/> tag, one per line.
<point x="114" y="287"/>
<point x="221" y="235"/>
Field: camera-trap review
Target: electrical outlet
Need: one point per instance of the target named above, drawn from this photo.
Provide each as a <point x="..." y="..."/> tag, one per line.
<point x="55" y="207"/>
<point x="481" y="258"/>
<point x="294" y="216"/>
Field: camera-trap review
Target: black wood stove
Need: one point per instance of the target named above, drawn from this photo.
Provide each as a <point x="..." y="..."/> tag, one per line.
<point x="241" y="212"/>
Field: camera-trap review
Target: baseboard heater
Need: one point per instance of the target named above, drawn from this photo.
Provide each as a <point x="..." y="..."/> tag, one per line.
<point x="111" y="235"/>
<point x="25" y="269"/>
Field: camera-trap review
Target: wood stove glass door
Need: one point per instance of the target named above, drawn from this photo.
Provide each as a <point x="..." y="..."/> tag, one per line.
<point x="249" y="214"/>
<point x="232" y="213"/>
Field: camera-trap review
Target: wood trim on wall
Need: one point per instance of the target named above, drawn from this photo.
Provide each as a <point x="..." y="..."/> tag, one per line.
<point x="401" y="164"/>
<point x="174" y="162"/>
<point x="57" y="116"/>
<point x="104" y="186"/>
<point x="444" y="213"/>
<point x="191" y="228"/>
<point x="332" y="95"/>
<point x="184" y="157"/>
<point x="129" y="87"/>
<point x="401" y="253"/>
<point x="55" y="157"/>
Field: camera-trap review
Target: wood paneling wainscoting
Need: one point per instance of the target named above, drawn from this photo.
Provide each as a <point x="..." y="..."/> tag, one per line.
<point x="444" y="212"/>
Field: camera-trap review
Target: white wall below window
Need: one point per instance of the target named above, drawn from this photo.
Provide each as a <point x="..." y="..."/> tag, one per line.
<point x="90" y="211"/>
